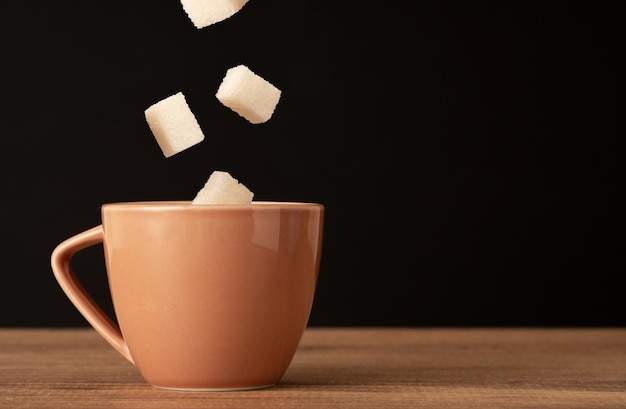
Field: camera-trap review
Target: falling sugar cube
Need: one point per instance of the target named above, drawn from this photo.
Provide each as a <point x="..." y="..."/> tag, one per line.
<point x="173" y="124"/>
<point x="222" y="188"/>
<point x="203" y="13"/>
<point x="249" y="95"/>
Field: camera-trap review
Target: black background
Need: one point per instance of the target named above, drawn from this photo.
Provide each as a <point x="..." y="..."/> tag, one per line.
<point x="469" y="154"/>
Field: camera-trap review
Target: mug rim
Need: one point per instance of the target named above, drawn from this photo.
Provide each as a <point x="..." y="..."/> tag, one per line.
<point x="187" y="205"/>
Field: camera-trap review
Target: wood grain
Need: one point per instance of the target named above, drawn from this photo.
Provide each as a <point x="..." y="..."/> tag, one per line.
<point x="341" y="368"/>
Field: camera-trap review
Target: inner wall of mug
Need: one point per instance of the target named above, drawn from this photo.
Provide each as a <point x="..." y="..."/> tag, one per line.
<point x="187" y="205"/>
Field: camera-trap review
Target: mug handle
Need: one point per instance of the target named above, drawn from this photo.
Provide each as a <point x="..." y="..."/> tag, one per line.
<point x="63" y="272"/>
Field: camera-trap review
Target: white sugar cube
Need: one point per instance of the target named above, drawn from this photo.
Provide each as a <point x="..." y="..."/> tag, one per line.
<point x="203" y="13"/>
<point x="173" y="124"/>
<point x="222" y="188"/>
<point x="249" y="95"/>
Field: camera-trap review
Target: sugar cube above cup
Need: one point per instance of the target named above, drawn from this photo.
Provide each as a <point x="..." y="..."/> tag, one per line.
<point x="222" y="188"/>
<point x="203" y="13"/>
<point x="173" y="124"/>
<point x="248" y="94"/>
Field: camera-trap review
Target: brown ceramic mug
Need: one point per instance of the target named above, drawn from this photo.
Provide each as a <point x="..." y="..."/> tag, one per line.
<point x="207" y="297"/>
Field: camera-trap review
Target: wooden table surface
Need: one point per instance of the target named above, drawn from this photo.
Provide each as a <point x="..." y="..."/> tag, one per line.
<point x="341" y="368"/>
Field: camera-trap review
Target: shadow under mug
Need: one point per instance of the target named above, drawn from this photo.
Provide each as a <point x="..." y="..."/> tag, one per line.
<point x="207" y="297"/>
